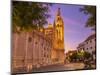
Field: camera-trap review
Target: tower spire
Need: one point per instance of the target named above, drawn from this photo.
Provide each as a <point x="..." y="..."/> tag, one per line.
<point x="58" y="12"/>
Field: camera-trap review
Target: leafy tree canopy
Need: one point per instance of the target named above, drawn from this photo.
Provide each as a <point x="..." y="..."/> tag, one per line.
<point x="91" y="11"/>
<point x="29" y="15"/>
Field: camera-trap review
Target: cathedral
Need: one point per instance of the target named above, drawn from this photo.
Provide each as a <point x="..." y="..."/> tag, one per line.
<point x="55" y="32"/>
<point x="39" y="48"/>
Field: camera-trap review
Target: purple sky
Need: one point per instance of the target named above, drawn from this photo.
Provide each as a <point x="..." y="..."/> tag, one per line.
<point x="74" y="24"/>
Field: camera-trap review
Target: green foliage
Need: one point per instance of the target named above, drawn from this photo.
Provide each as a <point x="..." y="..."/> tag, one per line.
<point x="29" y="15"/>
<point x="91" y="11"/>
<point x="73" y="57"/>
<point x="80" y="55"/>
<point x="87" y="55"/>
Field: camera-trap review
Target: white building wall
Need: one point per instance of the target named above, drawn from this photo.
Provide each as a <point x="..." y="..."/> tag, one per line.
<point x="90" y="45"/>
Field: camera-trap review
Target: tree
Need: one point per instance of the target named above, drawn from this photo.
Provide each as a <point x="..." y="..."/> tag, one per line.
<point x="87" y="55"/>
<point x="29" y="15"/>
<point x="73" y="57"/>
<point x="91" y="11"/>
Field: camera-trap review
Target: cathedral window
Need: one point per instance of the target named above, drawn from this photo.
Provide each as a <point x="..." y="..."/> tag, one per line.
<point x="44" y="55"/>
<point x="57" y="32"/>
<point x="29" y="39"/>
<point x="42" y="44"/>
<point x="44" y="48"/>
<point x="58" y="25"/>
<point x="35" y="42"/>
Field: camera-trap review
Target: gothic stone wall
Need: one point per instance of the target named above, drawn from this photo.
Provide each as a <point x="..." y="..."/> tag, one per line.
<point x="30" y="49"/>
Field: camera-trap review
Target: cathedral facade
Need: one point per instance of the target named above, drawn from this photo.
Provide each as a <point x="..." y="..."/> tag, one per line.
<point x="55" y="32"/>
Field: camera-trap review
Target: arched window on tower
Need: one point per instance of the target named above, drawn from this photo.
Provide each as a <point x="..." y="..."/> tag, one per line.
<point x="57" y="25"/>
<point x="56" y="33"/>
<point x="58" y="18"/>
<point x="59" y="33"/>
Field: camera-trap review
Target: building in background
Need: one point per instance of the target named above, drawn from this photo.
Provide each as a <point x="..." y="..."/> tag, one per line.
<point x="89" y="45"/>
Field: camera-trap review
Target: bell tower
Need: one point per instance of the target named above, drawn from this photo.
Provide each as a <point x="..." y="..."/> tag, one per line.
<point x="59" y="37"/>
<point x="59" y="31"/>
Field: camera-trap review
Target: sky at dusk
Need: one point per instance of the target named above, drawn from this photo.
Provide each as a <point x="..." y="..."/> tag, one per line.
<point x="75" y="31"/>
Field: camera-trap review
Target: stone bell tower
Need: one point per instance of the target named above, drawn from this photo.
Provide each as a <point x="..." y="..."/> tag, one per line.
<point x="59" y="36"/>
<point x="59" y="31"/>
